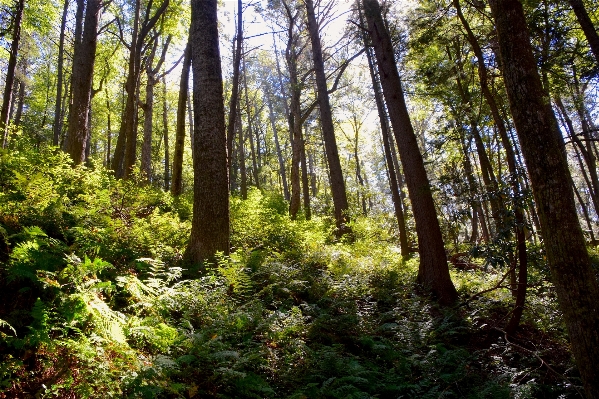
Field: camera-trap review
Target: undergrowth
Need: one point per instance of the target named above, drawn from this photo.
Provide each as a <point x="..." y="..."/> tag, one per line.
<point x="93" y="303"/>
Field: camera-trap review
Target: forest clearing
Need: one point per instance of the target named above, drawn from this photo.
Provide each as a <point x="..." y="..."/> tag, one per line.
<point x="299" y="199"/>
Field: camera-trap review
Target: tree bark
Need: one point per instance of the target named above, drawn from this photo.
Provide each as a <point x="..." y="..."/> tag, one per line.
<point x="271" y="115"/>
<point x="84" y="58"/>
<point x="109" y="131"/>
<point x="328" y="130"/>
<point x="473" y="189"/>
<point x="126" y="148"/>
<point x="166" y="140"/>
<point x="210" y="224"/>
<point x="248" y="111"/>
<point x="433" y="272"/>
<point x="177" y="183"/>
<point x="241" y="148"/>
<point x="234" y="100"/>
<point x="305" y="183"/>
<point x="575" y="282"/>
<point x="148" y="107"/>
<point x="57" y="126"/>
<point x="20" y="103"/>
<point x="10" y="71"/>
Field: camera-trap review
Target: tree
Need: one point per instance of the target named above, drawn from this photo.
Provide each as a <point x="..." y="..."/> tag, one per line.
<point x="152" y="80"/>
<point x="210" y="224"/>
<point x="177" y="180"/>
<point x="328" y="130"/>
<point x="433" y="272"/>
<point x="84" y="57"/>
<point x="126" y="146"/>
<point x="57" y="127"/>
<point x="10" y="71"/>
<point x="234" y="100"/>
<point x="575" y="282"/>
<point x="587" y="26"/>
<point x="387" y="147"/>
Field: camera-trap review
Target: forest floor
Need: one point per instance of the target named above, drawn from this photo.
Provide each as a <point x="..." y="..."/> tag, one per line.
<point x="95" y="302"/>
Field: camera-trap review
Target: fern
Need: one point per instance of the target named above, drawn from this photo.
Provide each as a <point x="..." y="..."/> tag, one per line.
<point x="237" y="279"/>
<point x="7" y="325"/>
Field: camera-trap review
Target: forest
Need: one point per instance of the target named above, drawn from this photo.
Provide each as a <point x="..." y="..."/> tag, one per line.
<point x="299" y="199"/>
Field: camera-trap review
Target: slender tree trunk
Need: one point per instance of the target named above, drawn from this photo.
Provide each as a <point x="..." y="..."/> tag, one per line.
<point x="152" y="79"/>
<point x="146" y="147"/>
<point x="88" y="128"/>
<point x="210" y="224"/>
<point x="328" y="130"/>
<point x="177" y="184"/>
<point x="271" y="115"/>
<point x="10" y="71"/>
<point x="129" y="116"/>
<point x="109" y="131"/>
<point x="250" y="131"/>
<point x="305" y="184"/>
<point x="585" y="212"/>
<point x="81" y="83"/>
<point x="587" y="26"/>
<point x="241" y="148"/>
<point x="433" y="272"/>
<point x="166" y="140"/>
<point x="294" y="122"/>
<point x="512" y="167"/>
<point x="57" y="126"/>
<point x="312" y="174"/>
<point x="234" y="100"/>
<point x="588" y="156"/>
<point x="191" y="124"/>
<point x="473" y="189"/>
<point x="575" y="282"/>
<point x="20" y="103"/>
<point x="126" y="149"/>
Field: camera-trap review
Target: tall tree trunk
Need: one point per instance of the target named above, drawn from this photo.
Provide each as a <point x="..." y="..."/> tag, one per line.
<point x="234" y="100"/>
<point x="359" y="179"/>
<point x="294" y="120"/>
<point x="591" y="178"/>
<point x="575" y="282"/>
<point x="10" y="71"/>
<point x="148" y="106"/>
<point x="129" y="116"/>
<point x="109" y="131"/>
<point x="146" y="147"/>
<point x="20" y="103"/>
<point x="177" y="184"/>
<point x="57" y="126"/>
<point x="328" y="130"/>
<point x="250" y="127"/>
<point x="84" y="58"/>
<point x="241" y="147"/>
<point x="191" y="125"/>
<point x="433" y="272"/>
<point x="305" y="184"/>
<point x="88" y="129"/>
<point x="473" y="189"/>
<point x="210" y="224"/>
<point x="126" y="148"/>
<point x="165" y="131"/>
<point x="512" y="167"/>
<point x="271" y="115"/>
<point x="312" y="174"/>
<point x="587" y="26"/>
<point x="585" y="213"/>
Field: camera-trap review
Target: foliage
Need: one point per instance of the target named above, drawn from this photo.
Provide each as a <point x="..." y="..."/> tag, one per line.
<point x="93" y="300"/>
